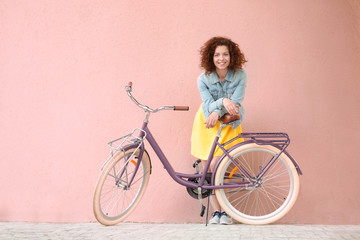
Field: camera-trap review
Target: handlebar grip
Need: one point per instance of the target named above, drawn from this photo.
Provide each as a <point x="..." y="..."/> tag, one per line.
<point x="181" y="108"/>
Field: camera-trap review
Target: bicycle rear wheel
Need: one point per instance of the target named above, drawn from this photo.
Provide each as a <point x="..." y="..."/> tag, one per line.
<point x="271" y="199"/>
<point x="114" y="199"/>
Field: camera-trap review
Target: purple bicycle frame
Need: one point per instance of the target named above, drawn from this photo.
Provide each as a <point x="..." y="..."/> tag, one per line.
<point x="278" y="140"/>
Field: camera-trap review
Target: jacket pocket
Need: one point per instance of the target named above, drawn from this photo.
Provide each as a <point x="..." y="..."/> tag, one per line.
<point x="214" y="93"/>
<point x="230" y="92"/>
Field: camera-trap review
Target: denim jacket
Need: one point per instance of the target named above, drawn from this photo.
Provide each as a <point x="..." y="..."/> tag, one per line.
<point x="213" y="91"/>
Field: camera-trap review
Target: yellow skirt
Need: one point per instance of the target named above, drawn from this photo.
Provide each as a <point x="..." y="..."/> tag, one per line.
<point x="202" y="138"/>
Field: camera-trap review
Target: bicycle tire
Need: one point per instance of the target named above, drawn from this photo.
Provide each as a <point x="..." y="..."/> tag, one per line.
<point x="113" y="200"/>
<point x="266" y="203"/>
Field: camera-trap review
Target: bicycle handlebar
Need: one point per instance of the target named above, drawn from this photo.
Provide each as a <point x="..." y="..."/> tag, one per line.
<point x="181" y="108"/>
<point x="128" y="89"/>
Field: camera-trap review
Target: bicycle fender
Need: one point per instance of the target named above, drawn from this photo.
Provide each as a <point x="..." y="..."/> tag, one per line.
<point x="294" y="162"/>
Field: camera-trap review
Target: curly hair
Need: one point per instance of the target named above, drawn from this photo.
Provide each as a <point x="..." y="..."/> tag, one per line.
<point x="237" y="58"/>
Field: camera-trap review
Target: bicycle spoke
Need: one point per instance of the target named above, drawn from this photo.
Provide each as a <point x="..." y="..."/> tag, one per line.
<point x="113" y="200"/>
<point x="271" y="197"/>
<point x="274" y="175"/>
<point x="140" y="178"/>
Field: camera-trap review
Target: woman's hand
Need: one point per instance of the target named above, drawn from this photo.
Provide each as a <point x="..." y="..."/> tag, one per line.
<point x="212" y="120"/>
<point x="230" y="106"/>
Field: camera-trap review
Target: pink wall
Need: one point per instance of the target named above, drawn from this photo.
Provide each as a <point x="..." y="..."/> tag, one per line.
<point x="64" y="65"/>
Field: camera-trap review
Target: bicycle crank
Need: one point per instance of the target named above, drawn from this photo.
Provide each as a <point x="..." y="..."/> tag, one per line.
<point x="194" y="192"/>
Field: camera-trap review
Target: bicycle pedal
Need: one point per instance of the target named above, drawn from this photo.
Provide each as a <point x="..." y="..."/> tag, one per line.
<point x="202" y="210"/>
<point x="197" y="162"/>
<point x="196" y="165"/>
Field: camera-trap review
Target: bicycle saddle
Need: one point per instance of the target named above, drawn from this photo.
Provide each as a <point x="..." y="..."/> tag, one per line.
<point x="227" y="118"/>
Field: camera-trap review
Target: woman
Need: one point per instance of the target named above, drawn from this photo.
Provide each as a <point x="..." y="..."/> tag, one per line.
<point x="222" y="89"/>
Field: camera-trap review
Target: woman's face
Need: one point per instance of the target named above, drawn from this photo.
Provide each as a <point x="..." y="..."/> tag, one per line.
<point x="221" y="58"/>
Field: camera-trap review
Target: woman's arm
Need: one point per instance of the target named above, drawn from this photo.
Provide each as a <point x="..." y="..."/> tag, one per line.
<point x="238" y="96"/>
<point x="209" y="104"/>
<point x="233" y="103"/>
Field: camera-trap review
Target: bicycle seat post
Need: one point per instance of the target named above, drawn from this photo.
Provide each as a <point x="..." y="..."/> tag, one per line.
<point x="222" y="125"/>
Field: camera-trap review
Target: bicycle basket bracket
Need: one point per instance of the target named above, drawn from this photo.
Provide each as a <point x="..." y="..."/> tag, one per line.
<point x="119" y="144"/>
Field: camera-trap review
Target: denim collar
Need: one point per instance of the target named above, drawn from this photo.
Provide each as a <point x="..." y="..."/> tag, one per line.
<point x="215" y="79"/>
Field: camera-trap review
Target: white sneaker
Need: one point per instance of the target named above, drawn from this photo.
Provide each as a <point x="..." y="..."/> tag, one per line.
<point x="225" y="219"/>
<point x="215" y="218"/>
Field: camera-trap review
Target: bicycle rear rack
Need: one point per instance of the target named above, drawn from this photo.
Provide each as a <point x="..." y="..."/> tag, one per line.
<point x="120" y="144"/>
<point x="281" y="140"/>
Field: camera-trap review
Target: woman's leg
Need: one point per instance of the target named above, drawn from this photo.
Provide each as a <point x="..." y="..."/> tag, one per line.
<point x="221" y="217"/>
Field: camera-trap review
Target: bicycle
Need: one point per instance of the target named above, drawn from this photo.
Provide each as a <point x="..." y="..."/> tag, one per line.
<point x="255" y="181"/>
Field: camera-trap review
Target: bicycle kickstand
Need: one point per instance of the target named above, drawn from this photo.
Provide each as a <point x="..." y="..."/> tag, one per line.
<point x="201" y="202"/>
<point x="207" y="210"/>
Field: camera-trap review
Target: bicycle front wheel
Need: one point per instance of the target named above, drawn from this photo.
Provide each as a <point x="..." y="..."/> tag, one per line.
<point x="120" y="187"/>
<point x="266" y="202"/>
